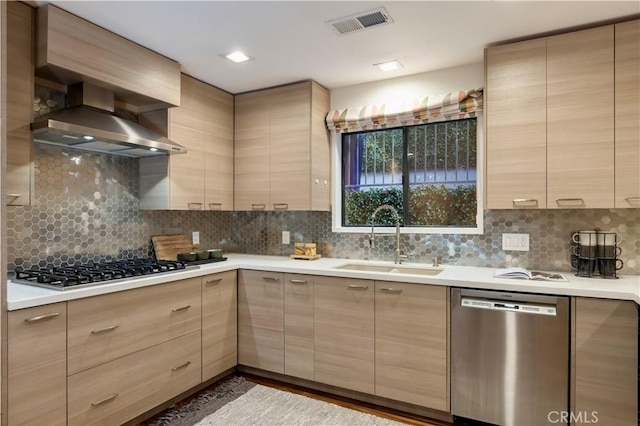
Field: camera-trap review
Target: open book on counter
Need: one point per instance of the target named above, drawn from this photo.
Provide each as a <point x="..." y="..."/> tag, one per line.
<point x="529" y="275"/>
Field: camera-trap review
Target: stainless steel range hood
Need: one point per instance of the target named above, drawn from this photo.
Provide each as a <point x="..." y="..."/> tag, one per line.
<point x="89" y="124"/>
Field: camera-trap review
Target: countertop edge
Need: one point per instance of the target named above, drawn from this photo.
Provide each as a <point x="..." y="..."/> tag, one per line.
<point x="20" y="296"/>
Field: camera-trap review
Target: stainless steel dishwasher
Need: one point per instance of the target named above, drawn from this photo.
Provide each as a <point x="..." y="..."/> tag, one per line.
<point x="509" y="357"/>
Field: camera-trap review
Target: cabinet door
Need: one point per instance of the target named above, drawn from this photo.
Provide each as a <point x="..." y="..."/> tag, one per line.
<point x="118" y="391"/>
<point x="103" y="328"/>
<point x="320" y="150"/>
<point x="344" y="333"/>
<point x="606" y="361"/>
<point x="218" y="140"/>
<point x="627" y="112"/>
<point x="298" y="326"/>
<point x="37" y="365"/>
<point x="290" y="147"/>
<point x="516" y="108"/>
<point x="411" y="344"/>
<point x="580" y="119"/>
<point x="261" y="320"/>
<point x="19" y="93"/>
<point x="252" y="129"/>
<point x="219" y="324"/>
<point x="187" y="127"/>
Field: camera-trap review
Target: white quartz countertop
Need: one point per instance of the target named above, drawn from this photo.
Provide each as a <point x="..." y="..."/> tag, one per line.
<point x="627" y="287"/>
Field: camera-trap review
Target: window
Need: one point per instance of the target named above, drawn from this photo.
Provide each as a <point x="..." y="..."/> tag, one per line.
<point x="428" y="172"/>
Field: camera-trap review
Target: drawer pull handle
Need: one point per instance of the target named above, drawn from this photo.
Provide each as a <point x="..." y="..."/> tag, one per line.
<point x="391" y="290"/>
<point x="298" y="281"/>
<point x="357" y="287"/>
<point x="280" y="206"/>
<point x="531" y="201"/>
<point x="194" y="206"/>
<point x="214" y="281"/>
<point x="183" y="308"/>
<point x="578" y="201"/>
<point x="42" y="317"/>
<point x="180" y="367"/>
<point x="215" y="206"/>
<point x="13" y="195"/>
<point x="104" y="330"/>
<point x="102" y="401"/>
<point x="632" y="200"/>
<point x="258" y="206"/>
<point x="274" y="279"/>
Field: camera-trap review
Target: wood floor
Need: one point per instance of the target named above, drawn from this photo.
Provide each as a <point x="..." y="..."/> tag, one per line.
<point x="364" y="407"/>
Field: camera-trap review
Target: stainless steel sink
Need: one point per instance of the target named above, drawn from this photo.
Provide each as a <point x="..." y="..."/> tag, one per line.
<point x="392" y="269"/>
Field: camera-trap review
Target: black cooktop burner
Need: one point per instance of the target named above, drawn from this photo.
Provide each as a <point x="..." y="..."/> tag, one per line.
<point x="70" y="276"/>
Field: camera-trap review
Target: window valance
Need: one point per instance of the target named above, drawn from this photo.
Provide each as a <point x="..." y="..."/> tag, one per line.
<point x="452" y="106"/>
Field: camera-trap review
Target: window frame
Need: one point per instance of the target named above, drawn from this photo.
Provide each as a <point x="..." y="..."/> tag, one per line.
<point x="336" y="194"/>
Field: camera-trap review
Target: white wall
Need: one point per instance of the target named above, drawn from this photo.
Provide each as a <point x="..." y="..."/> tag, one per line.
<point x="409" y="87"/>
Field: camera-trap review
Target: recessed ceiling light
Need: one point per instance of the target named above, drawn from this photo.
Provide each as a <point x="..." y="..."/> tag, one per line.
<point x="88" y="138"/>
<point x="237" y="56"/>
<point x="389" y="65"/>
<point x="153" y="149"/>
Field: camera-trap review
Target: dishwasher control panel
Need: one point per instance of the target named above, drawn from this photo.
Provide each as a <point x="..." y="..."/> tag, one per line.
<point x="500" y="305"/>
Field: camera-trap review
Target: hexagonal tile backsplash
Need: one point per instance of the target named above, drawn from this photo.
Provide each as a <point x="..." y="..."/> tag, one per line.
<point x="85" y="207"/>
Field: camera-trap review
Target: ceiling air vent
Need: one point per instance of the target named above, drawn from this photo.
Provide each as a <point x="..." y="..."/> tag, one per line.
<point x="360" y="21"/>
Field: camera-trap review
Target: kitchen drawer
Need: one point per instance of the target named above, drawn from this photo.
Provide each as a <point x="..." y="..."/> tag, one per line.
<point x="37" y="366"/>
<point x="104" y="328"/>
<point x="118" y="391"/>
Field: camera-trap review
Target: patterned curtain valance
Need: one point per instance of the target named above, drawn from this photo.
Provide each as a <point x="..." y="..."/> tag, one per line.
<point x="452" y="106"/>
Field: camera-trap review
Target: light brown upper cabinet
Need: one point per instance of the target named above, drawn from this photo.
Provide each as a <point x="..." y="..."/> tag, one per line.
<point x="282" y="157"/>
<point x="71" y="49"/>
<point x="201" y="179"/>
<point x="555" y="136"/>
<point x="19" y="93"/>
<point x="516" y="108"/>
<point x="627" y="157"/>
<point x="580" y="119"/>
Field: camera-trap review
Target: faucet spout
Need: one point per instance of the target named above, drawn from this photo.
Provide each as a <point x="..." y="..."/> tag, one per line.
<point x="398" y="256"/>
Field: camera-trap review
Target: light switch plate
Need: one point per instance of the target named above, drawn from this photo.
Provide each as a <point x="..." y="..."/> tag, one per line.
<point x="286" y="237"/>
<point x="195" y="237"/>
<point x="515" y="242"/>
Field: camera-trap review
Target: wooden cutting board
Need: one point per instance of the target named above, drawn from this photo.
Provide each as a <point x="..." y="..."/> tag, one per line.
<point x="167" y="247"/>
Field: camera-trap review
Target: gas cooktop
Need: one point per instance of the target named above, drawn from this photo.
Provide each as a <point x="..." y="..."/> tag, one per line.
<point x="91" y="274"/>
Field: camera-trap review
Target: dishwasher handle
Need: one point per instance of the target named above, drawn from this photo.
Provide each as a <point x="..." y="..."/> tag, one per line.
<point x="501" y="305"/>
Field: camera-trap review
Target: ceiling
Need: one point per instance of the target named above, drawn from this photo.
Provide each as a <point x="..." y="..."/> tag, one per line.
<point x="290" y="40"/>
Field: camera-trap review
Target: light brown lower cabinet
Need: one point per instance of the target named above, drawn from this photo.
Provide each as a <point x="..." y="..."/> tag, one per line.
<point x="298" y="326"/>
<point x="344" y="333"/>
<point x="37" y="365"/>
<point x="411" y="344"/>
<point x="261" y="320"/>
<point x="219" y="324"/>
<point x="106" y="327"/>
<point x="120" y="390"/>
<point x="606" y="362"/>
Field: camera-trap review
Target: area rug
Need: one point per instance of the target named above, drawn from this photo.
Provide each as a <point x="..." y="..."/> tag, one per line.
<point x="238" y="402"/>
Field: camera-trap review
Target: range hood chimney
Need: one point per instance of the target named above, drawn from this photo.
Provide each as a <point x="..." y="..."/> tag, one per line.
<point x="89" y="123"/>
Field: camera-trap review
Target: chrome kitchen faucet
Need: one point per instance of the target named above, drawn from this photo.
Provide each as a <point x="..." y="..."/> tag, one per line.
<point x="372" y="243"/>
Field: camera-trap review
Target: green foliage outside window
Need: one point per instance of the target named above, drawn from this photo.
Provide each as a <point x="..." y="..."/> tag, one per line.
<point x="430" y="205"/>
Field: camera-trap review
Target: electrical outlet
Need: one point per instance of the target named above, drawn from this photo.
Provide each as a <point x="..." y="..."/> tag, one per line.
<point x="515" y="242"/>
<point x="195" y="238"/>
<point x="286" y="237"/>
